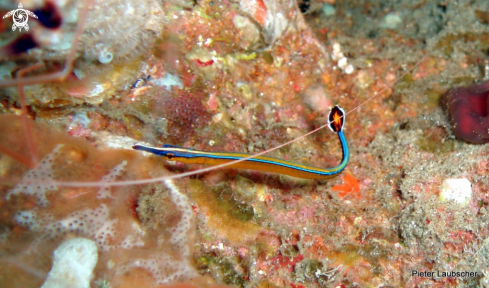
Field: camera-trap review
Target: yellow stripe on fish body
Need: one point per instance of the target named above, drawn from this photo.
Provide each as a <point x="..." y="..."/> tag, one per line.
<point x="262" y="163"/>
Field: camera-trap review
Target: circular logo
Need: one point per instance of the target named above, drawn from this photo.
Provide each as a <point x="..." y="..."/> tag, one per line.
<point x="20" y="17"/>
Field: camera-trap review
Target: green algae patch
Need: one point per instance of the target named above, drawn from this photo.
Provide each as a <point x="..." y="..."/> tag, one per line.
<point x="220" y="268"/>
<point x="245" y="188"/>
<point x="220" y="216"/>
<point x="433" y="141"/>
<point x="229" y="275"/>
<point x="348" y="257"/>
<point x="431" y="145"/>
<point x="405" y="82"/>
<point x="446" y="43"/>
<point x="433" y="97"/>
<point x="246" y="57"/>
<point x="308" y="270"/>
<point x="268" y="57"/>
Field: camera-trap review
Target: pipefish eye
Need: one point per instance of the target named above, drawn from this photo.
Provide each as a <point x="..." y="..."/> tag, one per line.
<point x="169" y="156"/>
<point x="336" y="119"/>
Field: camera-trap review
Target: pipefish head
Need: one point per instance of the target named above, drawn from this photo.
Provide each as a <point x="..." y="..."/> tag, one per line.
<point x="166" y="151"/>
<point x="336" y="118"/>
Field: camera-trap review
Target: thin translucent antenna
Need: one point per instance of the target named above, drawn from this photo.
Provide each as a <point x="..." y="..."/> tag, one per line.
<point x="389" y="85"/>
<point x="25" y="121"/>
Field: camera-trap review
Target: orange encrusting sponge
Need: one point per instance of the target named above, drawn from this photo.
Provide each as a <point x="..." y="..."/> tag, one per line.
<point x="350" y="186"/>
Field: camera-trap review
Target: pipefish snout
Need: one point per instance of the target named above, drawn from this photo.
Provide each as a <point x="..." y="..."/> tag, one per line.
<point x="336" y="119"/>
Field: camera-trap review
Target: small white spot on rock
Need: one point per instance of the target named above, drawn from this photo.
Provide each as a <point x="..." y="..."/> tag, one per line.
<point x="391" y="21"/>
<point x="328" y="10"/>
<point x="168" y="81"/>
<point x="459" y="190"/>
<point x="349" y="69"/>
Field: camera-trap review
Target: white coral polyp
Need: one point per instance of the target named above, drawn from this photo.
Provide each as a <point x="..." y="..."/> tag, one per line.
<point x="73" y="264"/>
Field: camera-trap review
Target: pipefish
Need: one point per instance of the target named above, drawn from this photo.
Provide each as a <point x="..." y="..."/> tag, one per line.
<point x="336" y="119"/>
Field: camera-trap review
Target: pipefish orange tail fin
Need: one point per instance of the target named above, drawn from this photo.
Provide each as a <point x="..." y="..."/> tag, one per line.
<point x="336" y="119"/>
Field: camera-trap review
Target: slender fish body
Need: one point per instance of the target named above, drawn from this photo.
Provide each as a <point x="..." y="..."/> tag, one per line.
<point x="336" y="119"/>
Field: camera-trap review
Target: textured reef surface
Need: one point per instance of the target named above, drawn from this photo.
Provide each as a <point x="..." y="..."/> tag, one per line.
<point x="410" y="209"/>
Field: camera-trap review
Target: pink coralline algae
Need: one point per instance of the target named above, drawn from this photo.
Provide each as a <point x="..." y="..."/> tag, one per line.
<point x="469" y="111"/>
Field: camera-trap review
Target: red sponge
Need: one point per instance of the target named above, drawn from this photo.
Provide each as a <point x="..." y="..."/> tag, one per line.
<point x="469" y="111"/>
